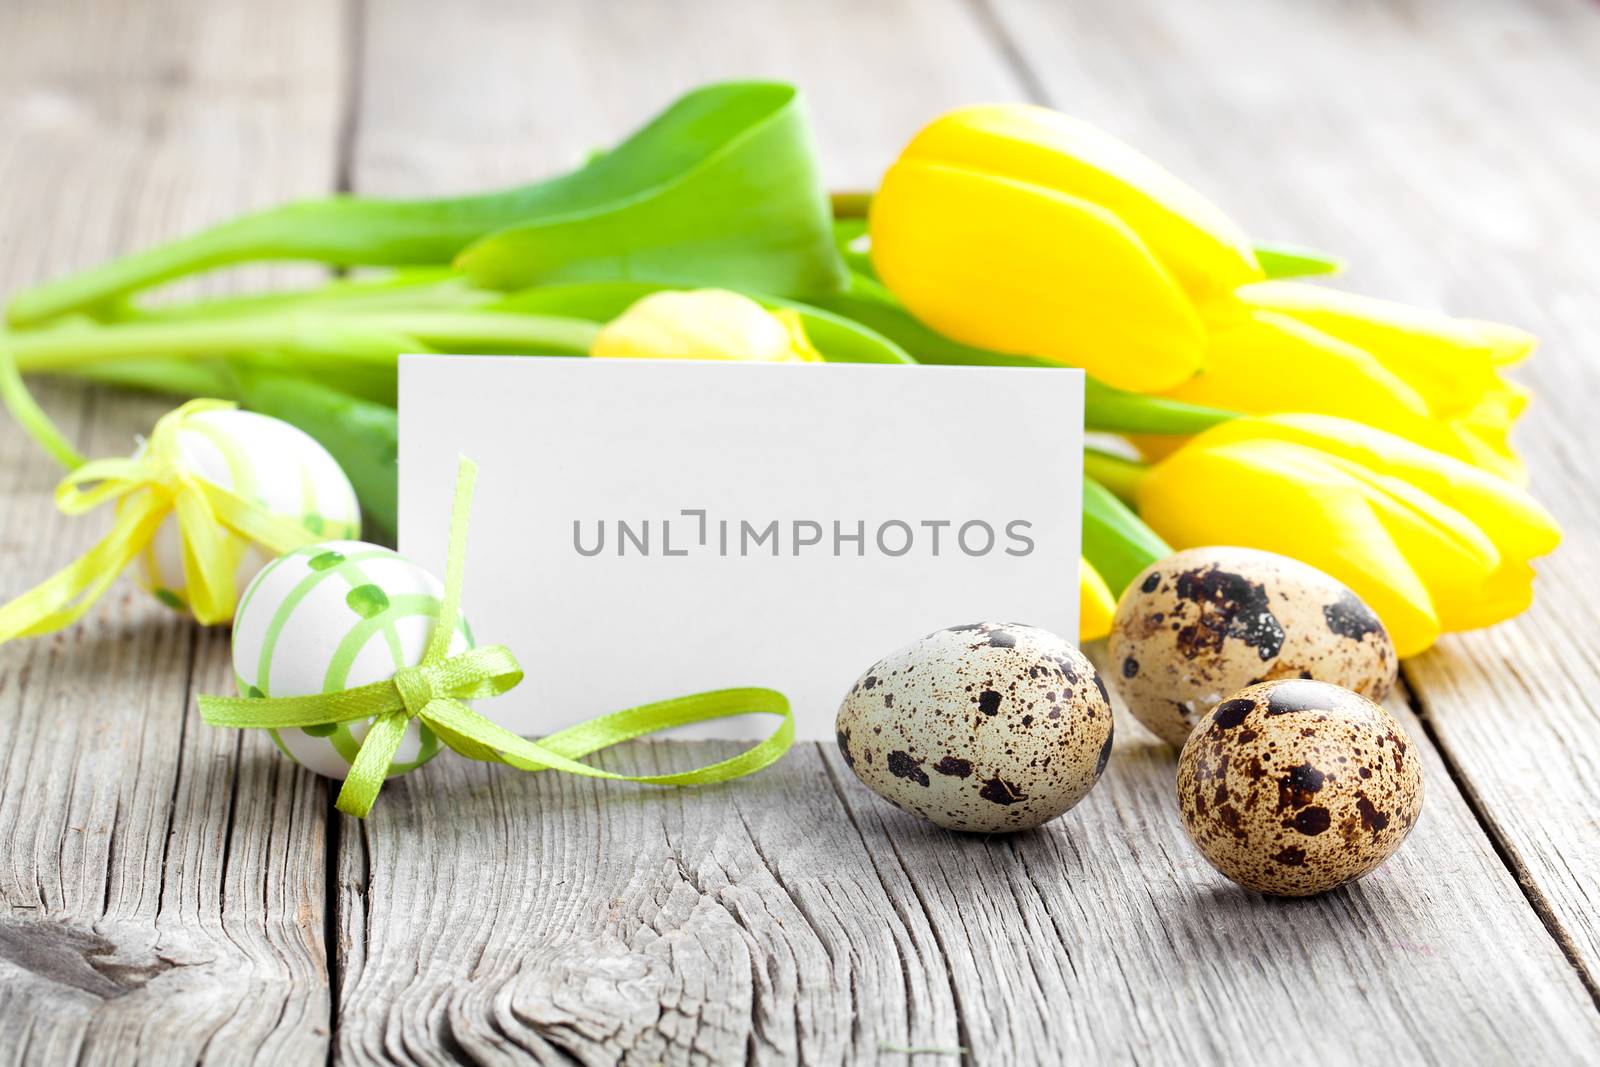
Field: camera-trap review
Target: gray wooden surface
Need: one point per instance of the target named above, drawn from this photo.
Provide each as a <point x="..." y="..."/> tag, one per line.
<point x="171" y="893"/>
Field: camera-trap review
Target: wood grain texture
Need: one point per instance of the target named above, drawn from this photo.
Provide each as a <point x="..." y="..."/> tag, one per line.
<point x="794" y="917"/>
<point x="1448" y="150"/>
<point x="161" y="883"/>
<point x="491" y="916"/>
<point x="503" y="91"/>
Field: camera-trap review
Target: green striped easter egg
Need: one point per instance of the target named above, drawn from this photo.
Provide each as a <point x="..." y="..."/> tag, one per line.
<point x="333" y="616"/>
<point x="267" y="460"/>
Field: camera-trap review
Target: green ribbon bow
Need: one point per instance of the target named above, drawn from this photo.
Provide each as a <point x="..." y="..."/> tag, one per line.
<point x="434" y="691"/>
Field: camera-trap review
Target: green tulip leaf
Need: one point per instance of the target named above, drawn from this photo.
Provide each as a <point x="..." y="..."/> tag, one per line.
<point x="1115" y="540"/>
<point x="1294" y="261"/>
<point x="362" y="436"/>
<point x="850" y="238"/>
<point x="720" y="189"/>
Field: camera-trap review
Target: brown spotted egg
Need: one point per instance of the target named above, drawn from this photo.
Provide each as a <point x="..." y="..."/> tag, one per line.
<point x="1204" y="622"/>
<point x="985" y="727"/>
<point x="1295" y="787"/>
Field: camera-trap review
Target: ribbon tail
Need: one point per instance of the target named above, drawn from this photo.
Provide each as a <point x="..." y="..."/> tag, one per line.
<point x="61" y="599"/>
<point x="209" y="513"/>
<point x="451" y="720"/>
<point x="209" y="559"/>
<point x="371" y="764"/>
<point x="463" y="745"/>
<point x="255" y="523"/>
<point x="455" y="562"/>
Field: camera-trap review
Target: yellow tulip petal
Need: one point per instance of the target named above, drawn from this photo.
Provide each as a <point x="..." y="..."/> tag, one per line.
<point x="703" y="324"/>
<point x="1155" y="446"/>
<point x="1268" y="362"/>
<point x="1283" y="498"/>
<point x="1186" y="232"/>
<point x="1514" y="521"/>
<point x="801" y="350"/>
<point x="1451" y="361"/>
<point x="1364" y="319"/>
<point x="1096" y="605"/>
<point x="1452" y="557"/>
<point x="1508" y="593"/>
<point x="1506" y="344"/>
<point x="1023" y="269"/>
<point x="1491" y="451"/>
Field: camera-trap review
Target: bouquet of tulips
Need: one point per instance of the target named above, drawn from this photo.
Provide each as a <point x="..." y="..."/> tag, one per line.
<point x="1367" y="438"/>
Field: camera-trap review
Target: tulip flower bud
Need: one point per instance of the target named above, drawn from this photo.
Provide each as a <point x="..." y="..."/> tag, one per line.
<point x="1430" y="542"/>
<point x="1017" y="229"/>
<point x="1096" y="605"/>
<point x="704" y="324"/>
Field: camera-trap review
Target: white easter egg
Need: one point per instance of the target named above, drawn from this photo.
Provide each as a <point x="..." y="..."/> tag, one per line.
<point x="334" y="616"/>
<point x="263" y="459"/>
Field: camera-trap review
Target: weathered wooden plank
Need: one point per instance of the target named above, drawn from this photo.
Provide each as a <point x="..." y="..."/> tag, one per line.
<point x="793" y="917"/>
<point x="491" y="915"/>
<point x="161" y="883"/>
<point x="507" y="914"/>
<point x="1448" y="150"/>
<point x="796" y="918"/>
<point x="504" y="92"/>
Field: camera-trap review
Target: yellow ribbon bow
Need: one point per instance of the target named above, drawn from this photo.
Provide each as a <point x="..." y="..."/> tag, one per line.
<point x="148" y="487"/>
<point x="433" y="691"/>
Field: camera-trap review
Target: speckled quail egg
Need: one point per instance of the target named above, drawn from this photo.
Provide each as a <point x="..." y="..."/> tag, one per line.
<point x="985" y="727"/>
<point x="1294" y="787"/>
<point x="1194" y="627"/>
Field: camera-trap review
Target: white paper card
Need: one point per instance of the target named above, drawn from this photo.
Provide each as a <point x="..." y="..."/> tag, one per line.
<point x="649" y="529"/>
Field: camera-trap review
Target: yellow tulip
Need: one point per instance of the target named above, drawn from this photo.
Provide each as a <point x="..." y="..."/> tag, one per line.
<point x="1096" y="605"/>
<point x="1432" y="543"/>
<point x="1018" y="229"/>
<point x="704" y="324"/>
<point x="1443" y="369"/>
<point x="1296" y="347"/>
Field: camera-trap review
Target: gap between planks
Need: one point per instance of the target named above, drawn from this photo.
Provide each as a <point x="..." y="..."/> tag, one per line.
<point x="1503" y="847"/>
<point x="353" y="24"/>
<point x="1035" y="90"/>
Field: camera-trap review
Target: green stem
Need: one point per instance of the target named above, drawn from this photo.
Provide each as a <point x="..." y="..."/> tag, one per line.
<point x="173" y="377"/>
<point x="71" y="349"/>
<point x="414" y="289"/>
<point x="1108" y="410"/>
<point x="1295" y="261"/>
<point x="548" y="334"/>
<point x="850" y="203"/>
<point x="31" y="417"/>
<point x="1118" y="474"/>
<point x="1115" y="540"/>
<point x="340" y="231"/>
<point x="373" y="338"/>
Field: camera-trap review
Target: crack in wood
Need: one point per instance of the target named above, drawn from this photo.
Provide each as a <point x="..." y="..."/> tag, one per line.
<point x="1503" y="847"/>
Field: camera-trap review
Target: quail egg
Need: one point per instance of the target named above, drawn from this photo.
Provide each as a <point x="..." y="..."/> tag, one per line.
<point x="1198" y="625"/>
<point x="985" y="727"/>
<point x="1295" y="787"/>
